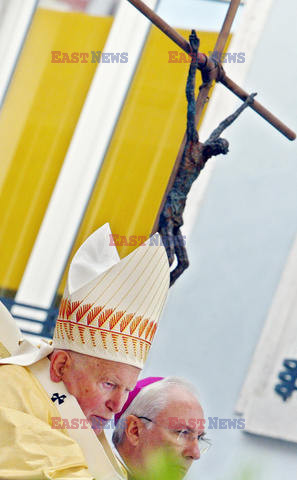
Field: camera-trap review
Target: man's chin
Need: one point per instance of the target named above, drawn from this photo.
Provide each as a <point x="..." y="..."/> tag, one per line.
<point x="183" y="471"/>
<point x="98" y="423"/>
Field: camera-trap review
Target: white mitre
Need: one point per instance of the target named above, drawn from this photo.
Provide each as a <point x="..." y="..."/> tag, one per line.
<point x="110" y="308"/>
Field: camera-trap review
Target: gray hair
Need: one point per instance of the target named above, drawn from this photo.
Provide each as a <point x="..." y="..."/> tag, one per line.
<point x="150" y="401"/>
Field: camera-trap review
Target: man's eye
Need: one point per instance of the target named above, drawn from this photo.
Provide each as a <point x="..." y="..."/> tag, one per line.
<point x="109" y="384"/>
<point x="204" y="439"/>
<point x="184" y="433"/>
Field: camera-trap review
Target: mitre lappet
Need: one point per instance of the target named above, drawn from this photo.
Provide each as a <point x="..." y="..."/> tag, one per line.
<point x="110" y="307"/>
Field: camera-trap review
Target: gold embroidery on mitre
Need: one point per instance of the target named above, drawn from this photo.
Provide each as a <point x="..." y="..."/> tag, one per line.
<point x="153" y="331"/>
<point x="115" y="319"/>
<point x="71" y="307"/>
<point x="66" y="329"/>
<point x="114" y="337"/>
<point x="134" y="343"/>
<point x="125" y="342"/>
<point x="141" y="349"/>
<point x="67" y="309"/>
<point x="57" y="330"/>
<point x="63" y="328"/>
<point x="93" y="314"/>
<point x="104" y="316"/>
<point x="103" y="337"/>
<point x="147" y="347"/>
<point x="82" y="329"/>
<point x="125" y="322"/>
<point x="80" y="313"/>
<point x="150" y="326"/>
<point x="135" y="324"/>
<point x="93" y="336"/>
<point x="142" y="326"/>
<point x="70" y="330"/>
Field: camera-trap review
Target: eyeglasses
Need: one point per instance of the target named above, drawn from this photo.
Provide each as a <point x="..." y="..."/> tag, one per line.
<point x="185" y="436"/>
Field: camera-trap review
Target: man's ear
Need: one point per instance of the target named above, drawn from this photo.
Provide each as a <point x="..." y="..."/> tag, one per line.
<point x="133" y="430"/>
<point x="60" y="360"/>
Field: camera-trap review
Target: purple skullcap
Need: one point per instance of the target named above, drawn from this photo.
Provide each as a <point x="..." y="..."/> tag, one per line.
<point x="138" y="387"/>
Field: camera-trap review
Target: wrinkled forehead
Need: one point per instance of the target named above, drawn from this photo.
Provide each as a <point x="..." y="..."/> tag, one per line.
<point x="119" y="373"/>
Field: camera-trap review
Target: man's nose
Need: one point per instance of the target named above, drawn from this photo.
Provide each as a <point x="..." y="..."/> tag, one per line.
<point x="193" y="450"/>
<point x="116" y="401"/>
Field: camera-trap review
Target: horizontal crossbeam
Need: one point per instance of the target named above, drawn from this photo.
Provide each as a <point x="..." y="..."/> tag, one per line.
<point x="205" y="62"/>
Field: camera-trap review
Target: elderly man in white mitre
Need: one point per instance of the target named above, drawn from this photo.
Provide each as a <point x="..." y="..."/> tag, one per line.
<point x="56" y="398"/>
<point x="161" y="414"/>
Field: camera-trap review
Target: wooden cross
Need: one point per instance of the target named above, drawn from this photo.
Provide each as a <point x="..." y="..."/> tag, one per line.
<point x="211" y="70"/>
